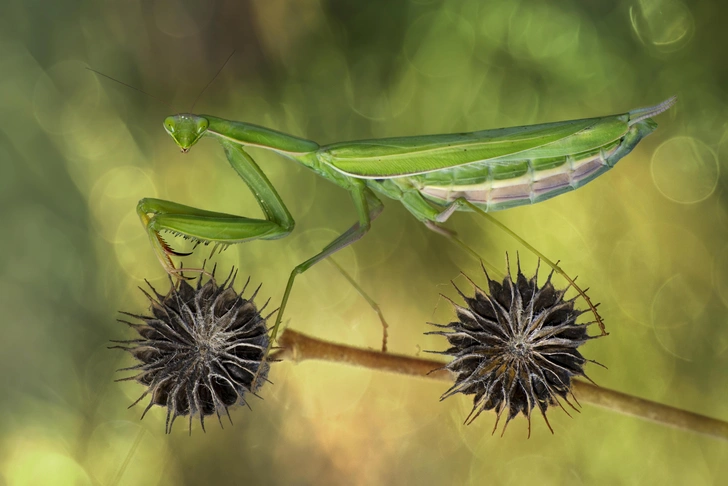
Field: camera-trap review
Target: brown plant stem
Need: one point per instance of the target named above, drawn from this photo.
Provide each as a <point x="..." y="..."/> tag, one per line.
<point x="299" y="347"/>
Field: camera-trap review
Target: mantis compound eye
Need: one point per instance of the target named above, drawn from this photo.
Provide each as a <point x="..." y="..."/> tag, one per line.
<point x="202" y="125"/>
<point x="169" y="124"/>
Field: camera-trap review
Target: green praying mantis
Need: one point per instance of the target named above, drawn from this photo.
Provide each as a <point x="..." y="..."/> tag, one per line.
<point x="433" y="176"/>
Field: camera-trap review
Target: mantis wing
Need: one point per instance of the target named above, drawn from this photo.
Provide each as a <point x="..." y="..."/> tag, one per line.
<point x="404" y="156"/>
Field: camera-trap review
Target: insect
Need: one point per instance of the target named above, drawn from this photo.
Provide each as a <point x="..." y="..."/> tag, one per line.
<point x="433" y="176"/>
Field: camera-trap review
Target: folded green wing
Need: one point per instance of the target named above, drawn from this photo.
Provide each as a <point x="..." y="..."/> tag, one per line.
<point x="402" y="156"/>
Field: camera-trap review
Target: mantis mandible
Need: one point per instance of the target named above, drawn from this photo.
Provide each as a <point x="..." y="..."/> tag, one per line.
<point x="433" y="176"/>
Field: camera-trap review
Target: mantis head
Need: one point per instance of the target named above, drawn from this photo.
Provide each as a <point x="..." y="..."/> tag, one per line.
<point x="186" y="129"/>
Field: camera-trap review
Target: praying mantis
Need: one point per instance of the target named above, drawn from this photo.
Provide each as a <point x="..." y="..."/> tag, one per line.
<point x="433" y="176"/>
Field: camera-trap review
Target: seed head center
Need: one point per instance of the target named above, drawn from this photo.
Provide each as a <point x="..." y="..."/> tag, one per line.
<point x="209" y="346"/>
<point x="519" y="347"/>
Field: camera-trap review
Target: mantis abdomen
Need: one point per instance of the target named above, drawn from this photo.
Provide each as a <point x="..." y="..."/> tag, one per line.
<point x="527" y="188"/>
<point x="500" y="185"/>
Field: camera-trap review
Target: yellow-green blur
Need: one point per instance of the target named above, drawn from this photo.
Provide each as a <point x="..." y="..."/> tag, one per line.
<point x="77" y="152"/>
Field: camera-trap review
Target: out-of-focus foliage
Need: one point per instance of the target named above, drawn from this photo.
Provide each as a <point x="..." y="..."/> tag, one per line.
<point x="78" y="151"/>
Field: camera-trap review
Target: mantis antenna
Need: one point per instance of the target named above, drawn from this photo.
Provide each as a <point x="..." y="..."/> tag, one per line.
<point x="132" y="87"/>
<point x="167" y="104"/>
<point x="212" y="80"/>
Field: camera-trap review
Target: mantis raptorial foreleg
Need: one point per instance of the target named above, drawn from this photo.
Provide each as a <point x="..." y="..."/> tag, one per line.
<point x="207" y="226"/>
<point x="220" y="228"/>
<point x="224" y="229"/>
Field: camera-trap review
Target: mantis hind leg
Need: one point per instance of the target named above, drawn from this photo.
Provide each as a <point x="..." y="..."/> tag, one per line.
<point x="554" y="266"/>
<point x="432" y="218"/>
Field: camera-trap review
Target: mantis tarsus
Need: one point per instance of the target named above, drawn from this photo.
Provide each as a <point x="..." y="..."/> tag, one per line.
<point x="431" y="175"/>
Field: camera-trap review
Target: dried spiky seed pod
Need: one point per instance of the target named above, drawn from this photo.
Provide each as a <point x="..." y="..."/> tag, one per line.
<point x="200" y="351"/>
<point x="515" y="347"/>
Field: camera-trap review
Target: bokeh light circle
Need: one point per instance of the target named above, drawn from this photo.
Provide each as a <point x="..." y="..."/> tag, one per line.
<point x="665" y="25"/>
<point x="643" y="269"/>
<point x="440" y="45"/>
<point x="372" y="95"/>
<point x="676" y="310"/>
<point x="63" y="96"/>
<point x="685" y="170"/>
<point x="127" y="447"/>
<point x="677" y="288"/>
<point x="31" y="465"/>
<point x="114" y="196"/>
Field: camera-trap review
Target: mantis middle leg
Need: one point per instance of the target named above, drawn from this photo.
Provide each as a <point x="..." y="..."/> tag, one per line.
<point x="368" y="207"/>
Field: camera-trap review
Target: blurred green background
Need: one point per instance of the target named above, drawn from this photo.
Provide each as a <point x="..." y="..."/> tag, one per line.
<point x="77" y="152"/>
